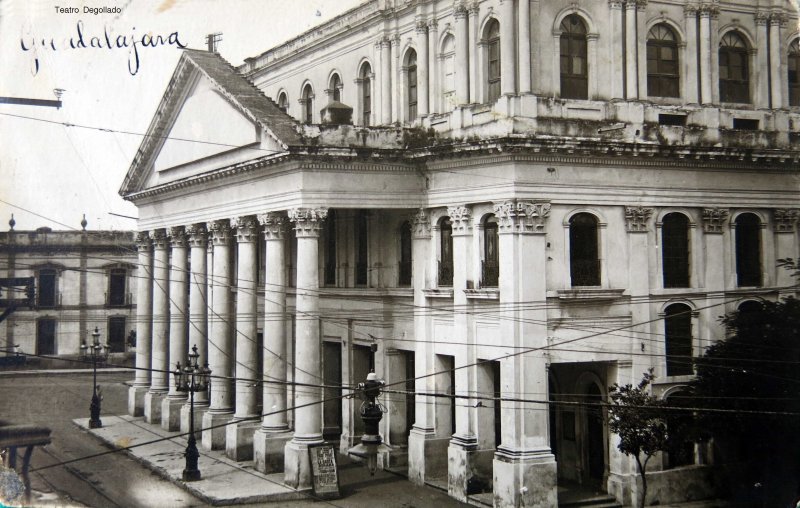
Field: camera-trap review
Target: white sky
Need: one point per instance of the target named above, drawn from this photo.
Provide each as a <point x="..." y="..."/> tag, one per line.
<point x="63" y="172"/>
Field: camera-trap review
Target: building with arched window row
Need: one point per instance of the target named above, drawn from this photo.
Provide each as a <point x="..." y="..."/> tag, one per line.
<point x="530" y="202"/>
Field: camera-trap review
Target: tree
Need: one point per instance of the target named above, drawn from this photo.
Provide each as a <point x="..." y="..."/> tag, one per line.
<point x="638" y="418"/>
<point x="747" y="386"/>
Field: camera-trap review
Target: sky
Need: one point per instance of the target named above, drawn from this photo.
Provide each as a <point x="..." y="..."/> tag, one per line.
<point x="51" y="170"/>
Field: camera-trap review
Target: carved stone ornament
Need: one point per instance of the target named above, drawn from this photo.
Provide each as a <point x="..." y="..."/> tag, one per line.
<point x="159" y="238"/>
<point x="785" y="219"/>
<point x="143" y="243"/>
<point x="615" y="4"/>
<point x="197" y="234"/>
<point x="308" y="221"/>
<point x="220" y="231"/>
<point x="460" y="11"/>
<point x="714" y="220"/>
<point x="636" y="218"/>
<point x="421" y="26"/>
<point x="246" y="228"/>
<point x="641" y="4"/>
<point x="761" y="17"/>
<point x="778" y="18"/>
<point x="522" y="216"/>
<point x="421" y="224"/>
<point x="177" y="236"/>
<point x="710" y="10"/>
<point x="274" y="224"/>
<point x="690" y="11"/>
<point x="461" y="217"/>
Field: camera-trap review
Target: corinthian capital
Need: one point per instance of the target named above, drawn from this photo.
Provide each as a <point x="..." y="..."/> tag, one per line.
<point x="636" y="218"/>
<point x="308" y="221"/>
<point x="159" y="238"/>
<point x="461" y="217"/>
<point x="421" y="225"/>
<point x="197" y="234"/>
<point x="220" y="231"/>
<point x="714" y="220"/>
<point x="177" y="236"/>
<point x="522" y="216"/>
<point x="246" y="228"/>
<point x="785" y="219"/>
<point x="143" y="243"/>
<point x="274" y="224"/>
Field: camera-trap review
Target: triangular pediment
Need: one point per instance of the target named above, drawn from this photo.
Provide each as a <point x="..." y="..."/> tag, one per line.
<point x="210" y="117"/>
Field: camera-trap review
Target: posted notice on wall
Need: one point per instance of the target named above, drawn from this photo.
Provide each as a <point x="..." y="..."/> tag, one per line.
<point x="324" y="471"/>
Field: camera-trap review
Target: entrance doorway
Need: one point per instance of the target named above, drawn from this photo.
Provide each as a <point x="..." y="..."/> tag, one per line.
<point x="332" y="402"/>
<point x="594" y="437"/>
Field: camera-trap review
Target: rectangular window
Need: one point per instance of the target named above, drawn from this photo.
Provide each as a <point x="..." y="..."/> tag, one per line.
<point x="412" y="93"/>
<point x="745" y="124"/>
<point x="116" y="334"/>
<point x="116" y="287"/>
<point x="47" y="289"/>
<point x="46" y="337"/>
<point x="361" y="249"/>
<point x="665" y="119"/>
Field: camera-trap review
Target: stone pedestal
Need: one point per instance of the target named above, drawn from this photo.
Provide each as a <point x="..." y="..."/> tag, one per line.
<point x="171" y="413"/>
<point x="199" y="411"/>
<point x="427" y="456"/>
<point x="525" y="480"/>
<point x="239" y="439"/>
<point x="268" y="449"/>
<point x="296" y="466"/>
<point x="152" y="406"/>
<point x="136" y="400"/>
<point x="214" y="431"/>
<point x="459" y="470"/>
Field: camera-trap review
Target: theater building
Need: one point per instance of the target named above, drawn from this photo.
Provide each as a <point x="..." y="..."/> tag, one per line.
<point x="518" y="200"/>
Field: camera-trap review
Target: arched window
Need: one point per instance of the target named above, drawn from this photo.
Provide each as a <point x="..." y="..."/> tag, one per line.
<point x="675" y="250"/>
<point x="662" y="62"/>
<point x="734" y="73"/>
<point x="445" y="252"/>
<point x="365" y="84"/>
<point x="584" y="261"/>
<point x="493" y="60"/>
<point x="283" y="102"/>
<point x="336" y="88"/>
<point x="794" y="73"/>
<point x="748" y="250"/>
<point x="448" y="57"/>
<point x="574" y="68"/>
<point x="678" y="337"/>
<point x="411" y="84"/>
<point x="491" y="259"/>
<point x="404" y="278"/>
<point x="308" y="104"/>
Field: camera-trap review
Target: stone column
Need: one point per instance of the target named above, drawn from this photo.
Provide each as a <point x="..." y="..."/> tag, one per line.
<point x="690" y="54"/>
<point x="615" y="75"/>
<point x="524" y="46"/>
<point x="476" y="63"/>
<point x="705" y="57"/>
<point x="524" y="466"/>
<point x="776" y="50"/>
<point x="422" y="69"/>
<point x="433" y="71"/>
<point x="508" y="61"/>
<point x="591" y="54"/>
<point x="270" y="440"/>
<point x="144" y="325"/>
<point x="239" y="433"/>
<point x="386" y="81"/>
<point x="713" y="44"/>
<point x="464" y="442"/>
<point x="171" y="405"/>
<point x="159" y="363"/>
<point x="308" y="394"/>
<point x="394" y="93"/>
<point x="220" y="339"/>
<point x="641" y="48"/>
<point x="199" y="301"/>
<point x="714" y="225"/>
<point x="785" y="220"/>
<point x="462" y="56"/>
<point x="761" y="76"/>
<point x="631" y="72"/>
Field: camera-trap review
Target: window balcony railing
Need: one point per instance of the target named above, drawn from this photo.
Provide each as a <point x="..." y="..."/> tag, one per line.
<point x="585" y="272"/>
<point x="404" y="273"/>
<point x="490" y="274"/>
<point x="445" y="274"/>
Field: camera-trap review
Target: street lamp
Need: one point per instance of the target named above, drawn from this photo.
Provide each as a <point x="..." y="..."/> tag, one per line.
<point x="191" y="378"/>
<point x="95" y="352"/>
<point x="371" y="413"/>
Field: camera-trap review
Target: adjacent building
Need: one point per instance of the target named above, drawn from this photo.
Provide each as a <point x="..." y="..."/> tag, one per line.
<point x="501" y="206"/>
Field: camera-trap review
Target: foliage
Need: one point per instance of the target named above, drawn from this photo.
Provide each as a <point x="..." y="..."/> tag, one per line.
<point x="638" y="418"/>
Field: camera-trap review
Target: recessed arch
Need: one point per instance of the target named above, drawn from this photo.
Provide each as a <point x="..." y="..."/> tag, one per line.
<point x="584" y="14"/>
<point x="674" y="25"/>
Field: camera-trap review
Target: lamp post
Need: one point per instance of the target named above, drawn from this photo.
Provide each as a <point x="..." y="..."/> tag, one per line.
<point x="95" y="352"/>
<point x="371" y="413"/>
<point x="191" y="378"/>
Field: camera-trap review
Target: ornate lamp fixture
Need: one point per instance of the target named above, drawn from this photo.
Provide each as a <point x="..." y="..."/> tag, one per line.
<point x="192" y="378"/>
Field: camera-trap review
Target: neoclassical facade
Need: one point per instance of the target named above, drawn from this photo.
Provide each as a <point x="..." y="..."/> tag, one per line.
<point x="498" y="237"/>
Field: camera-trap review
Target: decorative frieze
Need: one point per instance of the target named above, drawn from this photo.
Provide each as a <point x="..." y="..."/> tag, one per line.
<point x="143" y="243"/>
<point x="159" y="238"/>
<point x="177" y="236"/>
<point x="274" y="225"/>
<point x="308" y="221"/>
<point x="785" y="219"/>
<point x="522" y="216"/>
<point x="246" y="228"/>
<point x="421" y="225"/>
<point x="220" y="231"/>
<point x="714" y="220"/>
<point x="197" y="235"/>
<point x="636" y="218"/>
<point x="461" y="217"/>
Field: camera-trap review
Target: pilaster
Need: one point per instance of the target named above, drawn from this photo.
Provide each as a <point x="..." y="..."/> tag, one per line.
<point x="462" y="52"/>
<point x="785" y="221"/>
<point x="690" y="88"/>
<point x="422" y="68"/>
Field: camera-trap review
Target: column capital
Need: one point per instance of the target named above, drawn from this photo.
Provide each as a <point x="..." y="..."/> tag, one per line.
<point x="421" y="27"/>
<point x="460" y="11"/>
<point x="636" y="218"/>
<point x="246" y="227"/>
<point x="177" y="236"/>
<point x="197" y="234"/>
<point x="714" y="220"/>
<point x="690" y="11"/>
<point x="709" y="10"/>
<point x="615" y="4"/>
<point x="522" y="216"/>
<point x="308" y="221"/>
<point x="785" y="219"/>
<point x="461" y="217"/>
<point x="474" y="8"/>
<point x="274" y="224"/>
<point x="220" y="231"/>
<point x="761" y="17"/>
<point x="641" y="4"/>
<point x="143" y="243"/>
<point x="421" y="225"/>
<point x="159" y="238"/>
<point x="778" y="18"/>
<point x="433" y="25"/>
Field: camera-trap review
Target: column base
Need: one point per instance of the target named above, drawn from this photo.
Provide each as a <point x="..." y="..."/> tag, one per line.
<point x="524" y="479"/>
<point x="239" y="439"/>
<point x="459" y="467"/>
<point x="171" y="413"/>
<point x="199" y="411"/>
<point x="214" y="438"/>
<point x="296" y="464"/>
<point x="152" y="407"/>
<point x="136" y="400"/>
<point x="427" y="456"/>
<point x="268" y="449"/>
